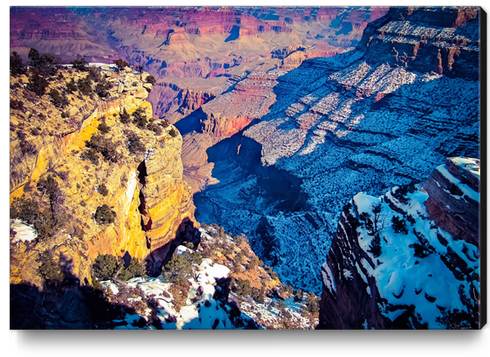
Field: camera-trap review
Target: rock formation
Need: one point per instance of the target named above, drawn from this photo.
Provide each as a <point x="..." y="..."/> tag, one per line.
<point x="397" y="262"/>
<point x="458" y="212"/>
<point x="445" y="45"/>
<point x="232" y="111"/>
<point x="70" y="160"/>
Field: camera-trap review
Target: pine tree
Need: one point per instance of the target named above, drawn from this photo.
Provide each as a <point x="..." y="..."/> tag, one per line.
<point x="45" y="63"/>
<point x="375" y="246"/>
<point x="399" y="225"/>
<point x="79" y="64"/>
<point x="150" y="79"/>
<point x="173" y="133"/>
<point x="124" y="117"/>
<point x="104" y="215"/>
<point x="177" y="270"/>
<point x="120" y="63"/>
<point x="140" y="119"/>
<point x="17" y="66"/>
<point x="49" y="269"/>
<point x="312" y="304"/>
<point x="37" y="83"/>
<point x="104" y="267"/>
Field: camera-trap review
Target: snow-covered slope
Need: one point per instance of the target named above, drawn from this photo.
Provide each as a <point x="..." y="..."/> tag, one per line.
<point x="367" y="120"/>
<point x="392" y="266"/>
<point x="213" y="295"/>
<point x="207" y="313"/>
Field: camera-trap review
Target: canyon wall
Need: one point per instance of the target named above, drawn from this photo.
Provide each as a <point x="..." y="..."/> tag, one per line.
<point x="69" y="161"/>
<point x="197" y="54"/>
<point x="397" y="39"/>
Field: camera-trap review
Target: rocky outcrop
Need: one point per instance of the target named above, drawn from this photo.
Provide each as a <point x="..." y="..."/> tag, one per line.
<point x="166" y="97"/>
<point x="232" y="107"/>
<point x="340" y="125"/>
<point x="295" y="58"/>
<point x="135" y="171"/>
<point x="175" y="37"/>
<point x="454" y="190"/>
<point x="193" y="100"/>
<point x="392" y="266"/>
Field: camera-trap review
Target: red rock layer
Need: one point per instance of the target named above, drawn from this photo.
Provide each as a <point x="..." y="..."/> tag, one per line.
<point x="250" y="99"/>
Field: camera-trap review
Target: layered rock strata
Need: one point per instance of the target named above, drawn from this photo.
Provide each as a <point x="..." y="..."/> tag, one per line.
<point x="233" y="106"/>
<point x="445" y="45"/>
<point x="454" y="190"/>
<point x="184" y="42"/>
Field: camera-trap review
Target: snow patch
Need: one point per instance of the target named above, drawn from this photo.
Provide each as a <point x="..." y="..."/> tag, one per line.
<point x="364" y="202"/>
<point x="348" y="274"/>
<point x="132" y="181"/>
<point x="23" y="232"/>
<point x="395" y="284"/>
<point x="107" y="284"/>
<point x="328" y="279"/>
<point x="405" y="278"/>
<point x="469" y="164"/>
<point x="467" y="190"/>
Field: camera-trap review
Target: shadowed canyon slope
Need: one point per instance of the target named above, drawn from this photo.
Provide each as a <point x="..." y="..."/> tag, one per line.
<point x="381" y="116"/>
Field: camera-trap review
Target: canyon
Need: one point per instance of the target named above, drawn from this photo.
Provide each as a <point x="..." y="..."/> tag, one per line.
<point x="343" y="125"/>
<point x="184" y="46"/>
<point x="196" y="54"/>
<point x="320" y="135"/>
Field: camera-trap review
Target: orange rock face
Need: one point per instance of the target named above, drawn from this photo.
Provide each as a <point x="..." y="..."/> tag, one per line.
<point x="194" y="100"/>
<point x="232" y="111"/>
<point x="146" y="190"/>
<point x="176" y="37"/>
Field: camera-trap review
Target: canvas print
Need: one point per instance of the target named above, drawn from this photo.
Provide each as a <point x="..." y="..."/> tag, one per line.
<point x="246" y="168"/>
